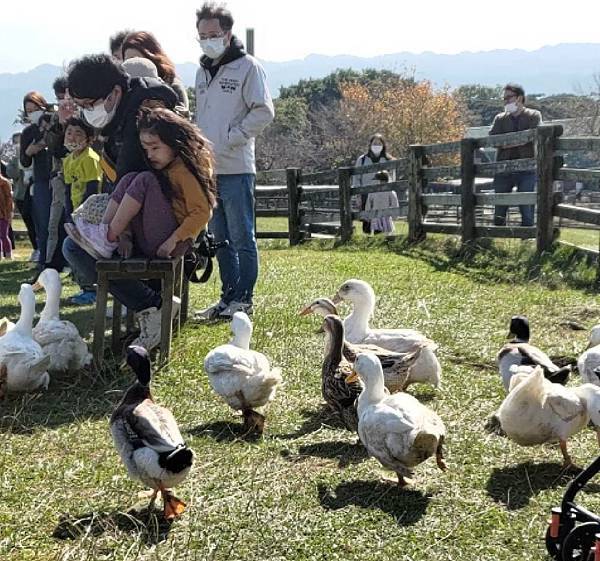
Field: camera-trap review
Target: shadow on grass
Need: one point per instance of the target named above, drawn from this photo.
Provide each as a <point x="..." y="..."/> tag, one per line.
<point x="71" y="398"/>
<point x="314" y="421"/>
<point x="514" y="486"/>
<point x="407" y="506"/>
<point x="151" y="526"/>
<point x="344" y="452"/>
<point x="222" y="431"/>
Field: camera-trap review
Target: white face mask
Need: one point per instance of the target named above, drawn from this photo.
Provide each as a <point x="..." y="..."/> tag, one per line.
<point x="98" y="116"/>
<point x="511" y="107"/>
<point x="34" y="117"/>
<point x="74" y="146"/>
<point x="213" y="48"/>
<point x="376" y="149"/>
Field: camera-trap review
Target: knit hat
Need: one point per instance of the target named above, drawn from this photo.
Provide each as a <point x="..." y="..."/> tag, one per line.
<point x="139" y="67"/>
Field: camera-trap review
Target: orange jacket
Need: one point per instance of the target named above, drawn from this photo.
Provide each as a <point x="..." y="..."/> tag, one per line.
<point x="6" y="200"/>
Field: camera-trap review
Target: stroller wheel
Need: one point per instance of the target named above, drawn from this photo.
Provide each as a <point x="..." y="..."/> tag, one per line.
<point x="579" y="542"/>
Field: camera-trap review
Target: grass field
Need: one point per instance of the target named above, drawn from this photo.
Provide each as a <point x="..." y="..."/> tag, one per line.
<point x="307" y="491"/>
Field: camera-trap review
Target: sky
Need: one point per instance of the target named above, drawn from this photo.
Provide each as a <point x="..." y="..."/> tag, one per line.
<point x="37" y="32"/>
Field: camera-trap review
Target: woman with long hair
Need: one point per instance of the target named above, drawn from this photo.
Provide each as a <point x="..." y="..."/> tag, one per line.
<point x="145" y="45"/>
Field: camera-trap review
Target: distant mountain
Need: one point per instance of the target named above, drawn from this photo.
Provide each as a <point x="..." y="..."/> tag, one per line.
<point x="551" y="69"/>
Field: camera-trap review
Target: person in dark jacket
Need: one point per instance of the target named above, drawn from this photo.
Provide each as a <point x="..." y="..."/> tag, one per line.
<point x="34" y="152"/>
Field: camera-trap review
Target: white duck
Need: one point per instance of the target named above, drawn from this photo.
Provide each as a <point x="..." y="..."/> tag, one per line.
<point x="148" y="439"/>
<point x="23" y="362"/>
<point x="60" y="339"/>
<point x="242" y="377"/>
<point x="589" y="362"/>
<point x="536" y="411"/>
<point x="5" y="326"/>
<point x="426" y="369"/>
<point x="396" y="429"/>
<point x="520" y="353"/>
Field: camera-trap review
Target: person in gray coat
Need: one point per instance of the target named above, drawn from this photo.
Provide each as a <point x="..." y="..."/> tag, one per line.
<point x="233" y="106"/>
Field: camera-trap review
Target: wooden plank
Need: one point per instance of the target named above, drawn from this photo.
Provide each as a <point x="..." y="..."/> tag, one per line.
<point x="319" y="210"/>
<point x="330" y="176"/>
<point x="523" y="232"/>
<point x="108" y="265"/>
<point x="586" y="143"/>
<point x="294" y="232"/>
<point x="467" y="189"/>
<point x="397" y="186"/>
<point x="272" y="235"/>
<point x="394" y="212"/>
<point x="442" y="148"/>
<point x="509" y="139"/>
<point x="507" y="166"/>
<point x="269" y="177"/>
<point x="441" y="199"/>
<point x="575" y="174"/>
<point x="434" y="228"/>
<point x="316" y="228"/>
<point x="264" y="192"/>
<point x="592" y="253"/>
<point x="166" y="312"/>
<point x="99" y="318"/>
<point x="452" y="172"/>
<point x="399" y="166"/>
<point x="545" y="138"/>
<point x="577" y="213"/>
<point x="272" y="212"/>
<point x="508" y="199"/>
<point x="345" y="181"/>
<point x="159" y="265"/>
<point x="115" y="335"/>
<point x="415" y="191"/>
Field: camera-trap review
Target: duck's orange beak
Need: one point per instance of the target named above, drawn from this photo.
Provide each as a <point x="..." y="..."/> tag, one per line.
<point x="305" y="311"/>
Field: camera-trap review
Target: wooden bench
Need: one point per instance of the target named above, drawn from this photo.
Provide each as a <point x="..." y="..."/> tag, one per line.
<point x="173" y="282"/>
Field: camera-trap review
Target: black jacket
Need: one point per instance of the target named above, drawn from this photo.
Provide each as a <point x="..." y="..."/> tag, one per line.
<point x="42" y="161"/>
<point x="122" y="148"/>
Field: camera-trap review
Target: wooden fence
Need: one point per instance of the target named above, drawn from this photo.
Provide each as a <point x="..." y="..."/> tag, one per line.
<point x="321" y="203"/>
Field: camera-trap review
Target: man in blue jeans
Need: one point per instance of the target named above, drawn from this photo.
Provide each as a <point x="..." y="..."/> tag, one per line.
<point x="233" y="105"/>
<point x="515" y="117"/>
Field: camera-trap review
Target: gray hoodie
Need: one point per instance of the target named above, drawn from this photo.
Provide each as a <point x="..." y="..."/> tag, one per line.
<point x="232" y="109"/>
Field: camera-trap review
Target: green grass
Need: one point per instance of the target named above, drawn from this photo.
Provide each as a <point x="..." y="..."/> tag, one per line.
<point x="306" y="491"/>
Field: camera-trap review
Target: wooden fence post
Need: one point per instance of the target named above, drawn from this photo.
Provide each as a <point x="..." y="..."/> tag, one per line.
<point x="415" y="190"/>
<point x="467" y="186"/>
<point x="295" y="234"/>
<point x="345" y="183"/>
<point x="544" y="142"/>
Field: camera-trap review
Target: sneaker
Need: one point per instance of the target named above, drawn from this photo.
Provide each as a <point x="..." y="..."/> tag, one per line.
<point x="35" y="256"/>
<point x="234" y="307"/>
<point x="210" y="313"/>
<point x="149" y="321"/>
<point x="92" y="238"/>
<point x="84" y="298"/>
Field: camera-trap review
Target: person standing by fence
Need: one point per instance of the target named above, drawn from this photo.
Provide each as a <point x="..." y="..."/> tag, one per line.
<point x="376" y="154"/>
<point x="233" y="106"/>
<point x="515" y="117"/>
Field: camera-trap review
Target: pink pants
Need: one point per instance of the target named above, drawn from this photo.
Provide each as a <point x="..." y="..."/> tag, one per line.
<point x="5" y="245"/>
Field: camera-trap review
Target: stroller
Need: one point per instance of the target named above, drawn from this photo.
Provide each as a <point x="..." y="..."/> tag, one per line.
<point x="574" y="532"/>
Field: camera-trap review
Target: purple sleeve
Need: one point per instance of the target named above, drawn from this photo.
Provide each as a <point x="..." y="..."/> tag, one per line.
<point x="135" y="185"/>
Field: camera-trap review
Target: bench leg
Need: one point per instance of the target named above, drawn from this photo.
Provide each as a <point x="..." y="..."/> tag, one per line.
<point x="178" y="291"/>
<point x="129" y="321"/>
<point x="99" y="322"/>
<point x="168" y="286"/>
<point x="116" y="327"/>
<point x="185" y="301"/>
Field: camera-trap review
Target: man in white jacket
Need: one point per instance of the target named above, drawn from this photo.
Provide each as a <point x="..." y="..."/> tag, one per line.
<point x="233" y="105"/>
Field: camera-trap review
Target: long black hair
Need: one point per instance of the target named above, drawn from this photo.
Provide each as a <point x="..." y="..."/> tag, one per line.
<point x="186" y="140"/>
<point x="384" y="154"/>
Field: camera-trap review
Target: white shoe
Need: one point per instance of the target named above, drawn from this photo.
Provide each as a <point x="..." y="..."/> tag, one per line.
<point x="149" y="321"/>
<point x="93" y="238"/>
<point x="234" y="307"/>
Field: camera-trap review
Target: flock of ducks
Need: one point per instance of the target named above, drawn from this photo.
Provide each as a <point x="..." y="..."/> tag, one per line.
<point x="364" y="375"/>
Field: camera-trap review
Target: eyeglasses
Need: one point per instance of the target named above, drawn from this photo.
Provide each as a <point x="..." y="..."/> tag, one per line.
<point x="206" y="37"/>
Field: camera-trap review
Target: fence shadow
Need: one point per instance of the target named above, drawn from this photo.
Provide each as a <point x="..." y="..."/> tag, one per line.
<point x="407" y="506"/>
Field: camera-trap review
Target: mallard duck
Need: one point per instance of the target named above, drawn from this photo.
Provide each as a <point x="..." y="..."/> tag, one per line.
<point x="588" y="363"/>
<point x="24" y="360"/>
<point x="396" y="429"/>
<point x="519" y="352"/>
<point x="397" y="367"/>
<point x="243" y="377"/>
<point x="147" y="438"/>
<point x="426" y="369"/>
<point x="537" y="410"/>
<point x="59" y="339"/>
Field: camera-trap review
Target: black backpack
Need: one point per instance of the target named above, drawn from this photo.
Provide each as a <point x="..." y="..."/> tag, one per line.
<point x="200" y="257"/>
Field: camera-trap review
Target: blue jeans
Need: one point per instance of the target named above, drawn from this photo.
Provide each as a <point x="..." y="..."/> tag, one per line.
<point x="233" y="220"/>
<point x="525" y="183"/>
<point x="134" y="294"/>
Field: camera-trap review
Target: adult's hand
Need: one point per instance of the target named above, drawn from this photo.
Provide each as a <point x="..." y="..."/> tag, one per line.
<point x="35" y="147"/>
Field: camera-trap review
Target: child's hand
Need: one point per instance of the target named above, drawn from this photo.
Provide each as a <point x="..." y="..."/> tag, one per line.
<point x="167" y="247"/>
